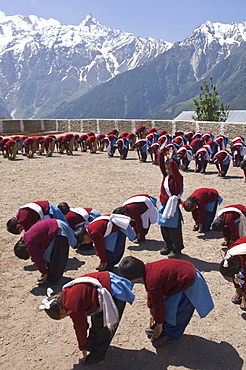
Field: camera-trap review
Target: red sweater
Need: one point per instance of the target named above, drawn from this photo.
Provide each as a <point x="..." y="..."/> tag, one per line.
<point x="203" y="196"/>
<point x="230" y="218"/>
<point x="243" y="260"/>
<point x="81" y="299"/>
<point x="96" y="230"/>
<point x="28" y="217"/>
<point x="135" y="210"/>
<point x="74" y="219"/>
<point x="38" y="238"/>
<point x="164" y="278"/>
<point x="175" y="181"/>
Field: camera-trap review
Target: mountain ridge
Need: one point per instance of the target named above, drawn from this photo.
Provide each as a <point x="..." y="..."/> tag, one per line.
<point x="45" y="67"/>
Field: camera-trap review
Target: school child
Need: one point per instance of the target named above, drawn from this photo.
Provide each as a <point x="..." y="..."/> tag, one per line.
<point x="169" y="214"/>
<point x="231" y="221"/>
<point x="174" y="290"/>
<point x="203" y="204"/>
<point x="30" y="213"/>
<point x="78" y="217"/>
<point x="142" y="211"/>
<point x="233" y="265"/>
<point x="108" y="233"/>
<point x="47" y="243"/>
<point x="101" y="295"/>
<point x="222" y="161"/>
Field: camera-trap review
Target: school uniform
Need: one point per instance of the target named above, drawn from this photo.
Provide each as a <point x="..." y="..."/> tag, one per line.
<point x="30" y="146"/>
<point x="238" y="249"/>
<point x="123" y="144"/>
<point x="142" y="146"/>
<point x="174" y="290"/>
<point x="81" y="300"/>
<point x="11" y="148"/>
<point x="234" y="217"/>
<point x="185" y="152"/>
<point x="202" y="158"/>
<point x="143" y="212"/>
<point x="49" y="145"/>
<point x="30" y="213"/>
<point x="47" y="243"/>
<point x="81" y="217"/>
<point x="207" y="202"/>
<point x="170" y="222"/>
<point x="109" y="239"/>
<point x="224" y="158"/>
<point x="92" y="143"/>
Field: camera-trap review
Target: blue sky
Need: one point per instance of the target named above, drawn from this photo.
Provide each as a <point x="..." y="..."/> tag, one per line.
<point x="171" y="20"/>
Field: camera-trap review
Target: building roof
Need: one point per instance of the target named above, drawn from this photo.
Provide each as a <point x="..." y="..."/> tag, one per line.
<point x="233" y="116"/>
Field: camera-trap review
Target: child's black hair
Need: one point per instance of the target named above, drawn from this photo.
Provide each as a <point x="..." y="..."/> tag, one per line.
<point x="119" y="211"/>
<point x="20" y="250"/>
<point x="218" y="224"/>
<point x="131" y="268"/>
<point x="189" y="204"/>
<point x="234" y="266"/>
<point x="12" y="226"/>
<point x="80" y="234"/>
<point x="54" y="311"/>
<point x="64" y="208"/>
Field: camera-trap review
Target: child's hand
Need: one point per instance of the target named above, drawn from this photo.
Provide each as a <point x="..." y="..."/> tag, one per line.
<point x="101" y="266"/>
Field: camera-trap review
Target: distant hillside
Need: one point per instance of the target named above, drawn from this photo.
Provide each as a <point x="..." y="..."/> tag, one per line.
<point x="164" y="87"/>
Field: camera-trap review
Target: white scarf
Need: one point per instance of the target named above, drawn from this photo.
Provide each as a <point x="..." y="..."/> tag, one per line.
<point x="83" y="213"/>
<point x="119" y="220"/>
<point x="242" y="219"/>
<point x="106" y="302"/>
<point x="150" y="215"/>
<point x="238" y="250"/>
<point x="172" y="202"/>
<point x="205" y="149"/>
<point x="225" y="151"/>
<point x="35" y="207"/>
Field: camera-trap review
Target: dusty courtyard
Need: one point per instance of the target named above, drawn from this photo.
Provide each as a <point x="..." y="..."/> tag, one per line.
<point x="30" y="340"/>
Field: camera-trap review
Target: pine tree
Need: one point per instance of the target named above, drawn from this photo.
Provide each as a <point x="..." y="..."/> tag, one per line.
<point x="208" y="106"/>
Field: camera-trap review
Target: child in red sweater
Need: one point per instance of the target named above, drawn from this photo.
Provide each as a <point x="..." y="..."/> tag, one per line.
<point x="174" y="290"/>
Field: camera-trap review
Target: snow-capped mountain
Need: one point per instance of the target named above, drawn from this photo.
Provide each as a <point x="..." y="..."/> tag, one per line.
<point x="43" y="62"/>
<point x="213" y="42"/>
<point x="165" y="86"/>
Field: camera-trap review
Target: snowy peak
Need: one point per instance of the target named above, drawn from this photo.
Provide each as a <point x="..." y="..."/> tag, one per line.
<point x="72" y="58"/>
<point x="219" y="32"/>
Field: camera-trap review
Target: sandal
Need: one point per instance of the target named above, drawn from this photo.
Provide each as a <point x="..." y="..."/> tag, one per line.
<point x="237" y="301"/>
<point x="243" y="307"/>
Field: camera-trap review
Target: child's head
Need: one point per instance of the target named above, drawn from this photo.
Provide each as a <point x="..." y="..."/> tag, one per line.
<point x="131" y="268"/>
<point x="120" y="211"/>
<point x="63" y="207"/>
<point x="81" y="234"/>
<point x="190" y="204"/>
<point x="20" y="250"/>
<point x="53" y="306"/>
<point x="13" y="226"/>
<point x="218" y="224"/>
<point x="233" y="267"/>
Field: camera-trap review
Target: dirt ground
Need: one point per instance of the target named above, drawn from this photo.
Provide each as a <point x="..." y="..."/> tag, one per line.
<point x="29" y="339"/>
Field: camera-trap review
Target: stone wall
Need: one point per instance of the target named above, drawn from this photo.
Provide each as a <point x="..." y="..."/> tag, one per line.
<point x="105" y="125"/>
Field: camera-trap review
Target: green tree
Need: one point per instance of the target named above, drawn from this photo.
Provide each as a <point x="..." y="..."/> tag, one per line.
<point x="208" y="106"/>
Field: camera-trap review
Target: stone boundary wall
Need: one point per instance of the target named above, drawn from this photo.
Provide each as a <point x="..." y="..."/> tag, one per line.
<point x="105" y="125"/>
